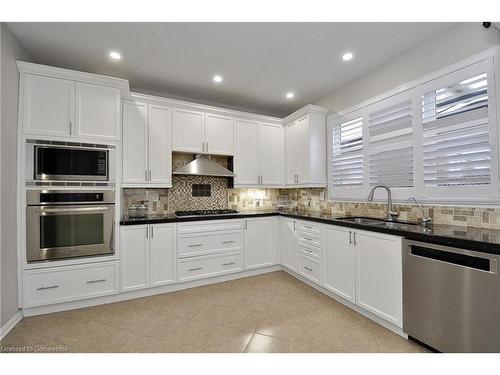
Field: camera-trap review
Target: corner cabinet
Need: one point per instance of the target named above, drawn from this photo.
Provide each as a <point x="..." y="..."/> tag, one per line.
<point x="305" y="139"/>
<point x="51" y="106"/>
<point x="259" y="244"/>
<point x="258" y="159"/>
<point x="203" y="133"/>
<point x="146" y="150"/>
<point x="147" y="256"/>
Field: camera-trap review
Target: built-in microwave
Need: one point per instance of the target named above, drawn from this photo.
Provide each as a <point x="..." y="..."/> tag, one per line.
<point x="58" y="161"/>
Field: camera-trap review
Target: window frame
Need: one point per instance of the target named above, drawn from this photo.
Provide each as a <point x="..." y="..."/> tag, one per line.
<point x="486" y="61"/>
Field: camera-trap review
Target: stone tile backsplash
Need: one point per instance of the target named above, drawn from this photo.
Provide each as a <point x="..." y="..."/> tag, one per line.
<point x="179" y="197"/>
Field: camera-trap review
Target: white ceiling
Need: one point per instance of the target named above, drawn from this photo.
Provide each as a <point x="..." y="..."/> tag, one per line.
<point x="260" y="62"/>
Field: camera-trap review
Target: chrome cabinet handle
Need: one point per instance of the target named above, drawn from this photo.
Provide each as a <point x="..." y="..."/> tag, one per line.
<point x="294" y="225"/>
<point x="150" y="175"/>
<point x="350" y="237"/>
<point x="307" y="238"/>
<point x="147" y="232"/>
<point x="207" y="147"/>
<point x="70" y="128"/>
<point x="246" y="224"/>
<point x="228" y="264"/>
<point x="354" y="235"/>
<point x="145" y="174"/>
<point x="307" y="268"/>
<point x="307" y="226"/>
<point x="196" y="245"/>
<point x="96" y="281"/>
<point x="195" y="269"/>
<point x="75" y="209"/>
<point x="48" y="287"/>
<point x="308" y="251"/>
<point x="152" y="232"/>
<point x="228" y="241"/>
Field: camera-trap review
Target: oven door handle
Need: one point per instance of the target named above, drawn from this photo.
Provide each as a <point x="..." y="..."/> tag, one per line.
<point x="77" y="209"/>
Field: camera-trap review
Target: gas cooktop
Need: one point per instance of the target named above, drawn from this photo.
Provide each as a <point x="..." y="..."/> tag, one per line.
<point x="206" y="213"/>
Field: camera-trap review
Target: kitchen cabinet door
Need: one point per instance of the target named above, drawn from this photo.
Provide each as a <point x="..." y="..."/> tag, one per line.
<point x="97" y="111"/>
<point x="160" y="146"/>
<point x="48" y="105"/>
<point x="134" y="257"/>
<point x="246" y="157"/>
<point x="289" y="244"/>
<point x="339" y="262"/>
<point x="271" y="154"/>
<point x="259" y="243"/>
<point x="291" y="153"/>
<point x="379" y="275"/>
<point x="188" y="129"/>
<point x="302" y="139"/>
<point x="135" y="142"/>
<point x="162" y="254"/>
<point x="219" y="135"/>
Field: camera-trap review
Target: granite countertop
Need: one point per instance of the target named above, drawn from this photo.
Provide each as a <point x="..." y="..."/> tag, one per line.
<point x="484" y="240"/>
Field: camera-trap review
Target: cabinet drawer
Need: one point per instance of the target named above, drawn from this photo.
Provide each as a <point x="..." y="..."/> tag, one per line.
<point x="209" y="226"/>
<point x="49" y="286"/>
<point x="208" y="266"/>
<point x="311" y="269"/>
<point x="311" y="251"/>
<point x="307" y="227"/>
<point x="309" y="239"/>
<point x="209" y="243"/>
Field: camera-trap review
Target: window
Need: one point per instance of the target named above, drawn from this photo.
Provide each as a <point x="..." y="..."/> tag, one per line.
<point x="347" y="156"/>
<point x="436" y="140"/>
<point x="456" y="137"/>
<point x="390" y="128"/>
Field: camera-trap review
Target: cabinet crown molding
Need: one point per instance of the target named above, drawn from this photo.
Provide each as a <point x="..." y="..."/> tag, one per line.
<point x="308" y="109"/>
<point x="98" y="79"/>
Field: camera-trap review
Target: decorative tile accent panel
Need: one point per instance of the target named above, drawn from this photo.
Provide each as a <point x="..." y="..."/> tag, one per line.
<point x="254" y="199"/>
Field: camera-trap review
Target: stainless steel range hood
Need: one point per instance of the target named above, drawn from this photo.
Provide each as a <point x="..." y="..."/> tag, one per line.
<point x="203" y="165"/>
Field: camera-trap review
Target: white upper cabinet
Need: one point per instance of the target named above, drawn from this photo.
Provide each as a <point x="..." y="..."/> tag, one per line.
<point x="246" y="158"/>
<point x="160" y="146"/>
<point x="63" y="103"/>
<point x="259" y="246"/>
<point x="258" y="160"/>
<point x="97" y="111"/>
<point x="203" y="133"/>
<point x="271" y="154"/>
<point x="135" y="142"/>
<point x="47" y="105"/>
<point x="188" y="131"/>
<point x="219" y="135"/>
<point x="306" y="147"/>
<point x="147" y="150"/>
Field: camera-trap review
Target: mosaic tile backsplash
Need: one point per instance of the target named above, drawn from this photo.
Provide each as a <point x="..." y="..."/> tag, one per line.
<point x="179" y="197"/>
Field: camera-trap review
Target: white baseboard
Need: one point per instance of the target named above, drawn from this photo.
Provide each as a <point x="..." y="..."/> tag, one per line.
<point x="11" y="323"/>
<point x="31" y="311"/>
<point x="369" y="315"/>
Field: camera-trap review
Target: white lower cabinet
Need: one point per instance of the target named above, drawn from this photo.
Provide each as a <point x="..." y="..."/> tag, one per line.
<point x="310" y="268"/>
<point x="259" y="246"/>
<point x="47" y="286"/>
<point x="365" y="268"/>
<point x="379" y="275"/>
<point x="208" y="266"/>
<point x="147" y="256"/>
<point x="289" y="244"/>
<point x="339" y="262"/>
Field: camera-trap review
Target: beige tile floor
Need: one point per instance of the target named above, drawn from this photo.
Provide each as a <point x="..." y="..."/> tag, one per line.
<point x="273" y="312"/>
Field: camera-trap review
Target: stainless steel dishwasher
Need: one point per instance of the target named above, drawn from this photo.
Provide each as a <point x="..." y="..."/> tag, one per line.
<point x="451" y="297"/>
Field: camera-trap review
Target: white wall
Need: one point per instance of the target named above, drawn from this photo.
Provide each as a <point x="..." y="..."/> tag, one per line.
<point x="11" y="50"/>
<point x="456" y="43"/>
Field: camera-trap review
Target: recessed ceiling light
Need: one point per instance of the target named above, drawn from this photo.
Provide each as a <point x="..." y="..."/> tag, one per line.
<point x="347" y="56"/>
<point x="217" y="79"/>
<point x="115" y="55"/>
<point x="290" y="95"/>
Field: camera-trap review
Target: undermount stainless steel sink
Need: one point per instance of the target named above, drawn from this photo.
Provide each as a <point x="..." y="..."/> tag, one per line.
<point x="377" y="222"/>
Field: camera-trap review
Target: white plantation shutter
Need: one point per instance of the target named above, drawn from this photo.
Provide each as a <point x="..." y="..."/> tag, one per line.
<point x="347" y="154"/>
<point x="390" y="131"/>
<point x="456" y="134"/>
